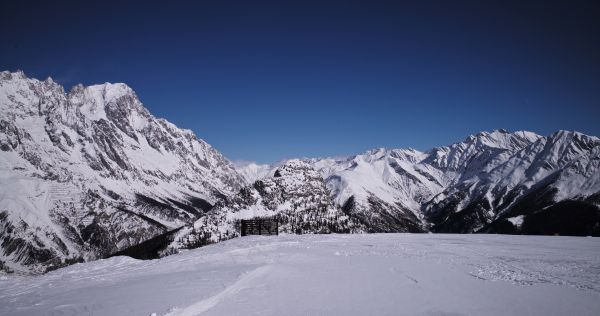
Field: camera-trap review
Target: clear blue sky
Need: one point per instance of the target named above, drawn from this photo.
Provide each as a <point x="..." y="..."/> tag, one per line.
<point x="270" y="80"/>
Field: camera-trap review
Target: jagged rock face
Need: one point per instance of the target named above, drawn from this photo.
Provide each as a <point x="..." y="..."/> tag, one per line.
<point x="555" y="176"/>
<point x="490" y="182"/>
<point x="296" y="195"/>
<point x="383" y="189"/>
<point x="90" y="172"/>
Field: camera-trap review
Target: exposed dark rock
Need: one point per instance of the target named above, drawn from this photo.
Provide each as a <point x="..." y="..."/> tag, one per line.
<point x="152" y="248"/>
<point x="570" y="218"/>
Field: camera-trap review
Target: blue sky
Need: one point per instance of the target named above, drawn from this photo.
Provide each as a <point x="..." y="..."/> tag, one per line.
<point x="265" y="81"/>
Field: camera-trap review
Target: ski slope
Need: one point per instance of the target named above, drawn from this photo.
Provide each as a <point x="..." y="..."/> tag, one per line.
<point x="376" y="274"/>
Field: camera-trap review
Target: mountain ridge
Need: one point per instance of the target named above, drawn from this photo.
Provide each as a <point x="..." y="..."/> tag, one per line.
<point x="91" y="172"/>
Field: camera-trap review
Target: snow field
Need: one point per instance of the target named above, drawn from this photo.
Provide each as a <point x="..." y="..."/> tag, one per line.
<point x="378" y="274"/>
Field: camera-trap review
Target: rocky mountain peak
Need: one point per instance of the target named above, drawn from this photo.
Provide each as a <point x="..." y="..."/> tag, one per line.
<point x="8" y="75"/>
<point x="480" y="148"/>
<point x="295" y="168"/>
<point x="97" y="172"/>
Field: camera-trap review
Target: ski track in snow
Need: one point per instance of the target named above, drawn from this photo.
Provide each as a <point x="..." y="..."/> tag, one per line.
<point x="243" y="283"/>
<point x="378" y="274"/>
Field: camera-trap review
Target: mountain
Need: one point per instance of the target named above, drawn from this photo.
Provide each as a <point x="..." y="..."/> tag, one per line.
<point x="382" y="188"/>
<point x="296" y="195"/>
<point x="551" y="186"/>
<point x="497" y="182"/>
<point x="252" y="171"/>
<point x="89" y="172"/>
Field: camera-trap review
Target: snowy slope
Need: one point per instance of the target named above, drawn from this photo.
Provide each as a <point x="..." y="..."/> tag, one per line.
<point x="375" y="274"/>
<point x="91" y="171"/>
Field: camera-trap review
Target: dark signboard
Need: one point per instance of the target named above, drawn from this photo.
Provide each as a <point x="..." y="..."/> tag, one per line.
<point x="260" y="226"/>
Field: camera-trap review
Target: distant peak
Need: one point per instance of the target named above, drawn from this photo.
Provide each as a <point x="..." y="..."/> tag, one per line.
<point x="527" y="134"/>
<point x="501" y="133"/>
<point x="77" y="88"/>
<point x="564" y="134"/>
<point x="7" y="75"/>
<point x="296" y="163"/>
<point x="561" y="134"/>
<point x="111" y="91"/>
<point x="376" y="151"/>
<point x="246" y="163"/>
<point x="293" y="166"/>
<point x="497" y="132"/>
<point x="108" y="86"/>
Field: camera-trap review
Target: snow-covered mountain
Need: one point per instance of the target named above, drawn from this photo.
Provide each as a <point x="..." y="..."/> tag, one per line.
<point x="89" y="172"/>
<point x="252" y="171"/>
<point x="296" y="195"/>
<point x="383" y="189"/>
<point x="399" y="182"/>
<point x="492" y="181"/>
<point x="496" y="181"/>
<point x="550" y="186"/>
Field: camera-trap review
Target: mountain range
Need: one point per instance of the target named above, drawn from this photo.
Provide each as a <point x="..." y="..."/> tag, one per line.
<point x="91" y="173"/>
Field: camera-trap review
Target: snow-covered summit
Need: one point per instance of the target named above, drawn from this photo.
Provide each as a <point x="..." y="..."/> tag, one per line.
<point x="252" y="171"/>
<point x="481" y="146"/>
<point x="466" y="186"/>
<point x="91" y="171"/>
<point x="295" y="195"/>
<point x="486" y="173"/>
<point x="7" y="75"/>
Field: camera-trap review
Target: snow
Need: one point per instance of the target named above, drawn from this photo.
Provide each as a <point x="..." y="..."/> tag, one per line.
<point x="252" y="171"/>
<point x="517" y="220"/>
<point x="395" y="176"/>
<point x="376" y="274"/>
